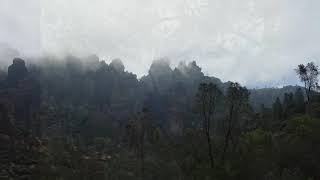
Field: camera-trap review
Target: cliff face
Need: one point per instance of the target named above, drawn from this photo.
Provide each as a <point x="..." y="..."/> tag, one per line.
<point x="110" y="90"/>
<point x="19" y="102"/>
<point x="16" y="72"/>
<point x="19" y="97"/>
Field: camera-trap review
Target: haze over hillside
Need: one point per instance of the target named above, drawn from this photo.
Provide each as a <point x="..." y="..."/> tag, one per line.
<point x="161" y="78"/>
<point x="7" y="53"/>
<point x="263" y="94"/>
<point x="62" y="115"/>
<point x="231" y="40"/>
<point x="159" y="90"/>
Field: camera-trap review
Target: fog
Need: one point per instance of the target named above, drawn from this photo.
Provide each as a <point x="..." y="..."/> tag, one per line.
<point x="257" y="43"/>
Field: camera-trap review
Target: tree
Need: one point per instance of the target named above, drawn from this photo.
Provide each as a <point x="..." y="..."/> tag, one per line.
<point x="277" y="110"/>
<point x="237" y="100"/>
<point x="299" y="101"/>
<point x="264" y="117"/>
<point x="207" y="98"/>
<point x="140" y="132"/>
<point x="308" y="74"/>
<point x="288" y="105"/>
<point x="144" y="121"/>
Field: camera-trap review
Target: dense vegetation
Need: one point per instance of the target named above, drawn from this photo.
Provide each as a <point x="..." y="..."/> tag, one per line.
<point x="85" y="119"/>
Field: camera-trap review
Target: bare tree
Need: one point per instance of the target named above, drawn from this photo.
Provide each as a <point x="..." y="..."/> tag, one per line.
<point x="237" y="99"/>
<point x="207" y="97"/>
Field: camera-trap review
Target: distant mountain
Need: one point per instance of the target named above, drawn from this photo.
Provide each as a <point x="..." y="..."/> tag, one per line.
<point x="267" y="96"/>
<point x="111" y="94"/>
<point x="162" y="78"/>
<point x="90" y="81"/>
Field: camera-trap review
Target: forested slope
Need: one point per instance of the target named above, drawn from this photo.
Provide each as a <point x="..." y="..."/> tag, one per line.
<point x="84" y="118"/>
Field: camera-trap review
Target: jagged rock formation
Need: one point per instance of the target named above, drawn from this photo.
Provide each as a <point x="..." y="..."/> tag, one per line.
<point x="16" y="72"/>
<point x="6" y="121"/>
<point x="23" y="92"/>
<point x="19" y="102"/>
<point x="76" y="83"/>
<point x="171" y="92"/>
<point x="117" y="65"/>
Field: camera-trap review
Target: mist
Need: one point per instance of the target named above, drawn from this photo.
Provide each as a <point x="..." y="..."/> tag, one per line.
<point x="230" y="40"/>
<point x="159" y="89"/>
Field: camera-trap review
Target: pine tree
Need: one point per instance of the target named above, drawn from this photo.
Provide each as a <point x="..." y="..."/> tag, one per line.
<point x="277" y="110"/>
<point x="288" y="105"/>
<point x="299" y="101"/>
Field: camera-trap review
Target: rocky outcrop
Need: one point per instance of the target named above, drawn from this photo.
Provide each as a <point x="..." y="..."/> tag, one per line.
<point x="22" y="93"/>
<point x="20" y="152"/>
<point x="16" y="72"/>
<point x="117" y="65"/>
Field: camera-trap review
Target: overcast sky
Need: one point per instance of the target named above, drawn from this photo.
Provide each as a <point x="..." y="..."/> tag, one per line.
<point x="257" y="43"/>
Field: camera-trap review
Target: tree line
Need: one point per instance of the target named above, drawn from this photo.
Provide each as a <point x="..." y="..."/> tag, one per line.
<point x="78" y="121"/>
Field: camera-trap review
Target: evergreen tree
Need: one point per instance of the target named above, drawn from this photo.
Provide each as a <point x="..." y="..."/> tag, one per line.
<point x="288" y="105"/>
<point x="299" y="101"/>
<point x="277" y="110"/>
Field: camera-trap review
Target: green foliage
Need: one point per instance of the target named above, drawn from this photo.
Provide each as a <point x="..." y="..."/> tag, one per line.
<point x="100" y="122"/>
<point x="277" y="110"/>
<point x="299" y="101"/>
